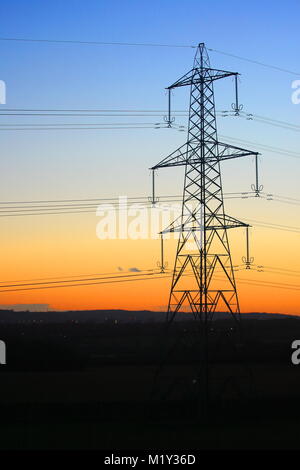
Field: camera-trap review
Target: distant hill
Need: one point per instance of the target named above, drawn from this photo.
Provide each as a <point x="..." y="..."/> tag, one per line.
<point x="114" y="316"/>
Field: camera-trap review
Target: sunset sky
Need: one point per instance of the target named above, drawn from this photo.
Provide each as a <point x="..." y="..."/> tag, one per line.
<point x="107" y="163"/>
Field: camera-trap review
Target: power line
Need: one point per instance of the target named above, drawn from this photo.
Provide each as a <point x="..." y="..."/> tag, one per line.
<point x="160" y="276"/>
<point x="257" y="283"/>
<point x="100" y="126"/>
<point x="86" y="205"/>
<point x="91" y="113"/>
<point x="272" y="149"/>
<point x="284" y="197"/>
<point x="74" y="206"/>
<point x="283" y="201"/>
<point x="270" y="282"/>
<point x="269" y="148"/>
<point x="93" y="110"/>
<point x="135" y="113"/>
<point x="115" y="273"/>
<point x="144" y="44"/>
<point x="287" y="228"/>
<point x="263" y="119"/>
<point x="274" y="67"/>
<point x="279" y="269"/>
<point x="289" y="126"/>
<point x="270" y="120"/>
<point x="81" y="200"/>
<point x="272" y="271"/>
<point x="80" y="128"/>
<point x="94" y="202"/>
<point x="85" y="124"/>
<point x="119" y="276"/>
<point x="97" y="43"/>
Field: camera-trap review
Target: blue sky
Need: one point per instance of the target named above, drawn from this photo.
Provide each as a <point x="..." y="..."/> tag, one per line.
<point x="69" y="164"/>
<point x="48" y="75"/>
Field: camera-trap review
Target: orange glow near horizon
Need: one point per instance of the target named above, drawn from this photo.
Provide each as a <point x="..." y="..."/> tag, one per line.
<point x="66" y="250"/>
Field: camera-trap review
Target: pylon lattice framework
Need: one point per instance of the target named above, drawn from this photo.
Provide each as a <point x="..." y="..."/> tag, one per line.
<point x="203" y="279"/>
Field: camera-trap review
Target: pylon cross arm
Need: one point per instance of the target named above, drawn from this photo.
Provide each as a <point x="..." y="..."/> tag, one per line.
<point x="221" y="223"/>
<point x="227" y="152"/>
<point x="178" y="157"/>
<point x="201" y="75"/>
<point x="188" y="154"/>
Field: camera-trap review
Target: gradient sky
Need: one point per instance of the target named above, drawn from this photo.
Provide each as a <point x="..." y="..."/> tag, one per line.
<point x="108" y="163"/>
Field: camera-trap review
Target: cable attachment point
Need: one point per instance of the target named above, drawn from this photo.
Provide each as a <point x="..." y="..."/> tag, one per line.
<point x="162" y="265"/>
<point x="247" y="260"/>
<point x="257" y="188"/>
<point x="168" y="119"/>
<point x="153" y="199"/>
<point x="236" y="106"/>
<point x="260" y="269"/>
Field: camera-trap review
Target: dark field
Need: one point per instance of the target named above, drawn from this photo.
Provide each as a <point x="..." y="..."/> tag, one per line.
<point x="91" y="386"/>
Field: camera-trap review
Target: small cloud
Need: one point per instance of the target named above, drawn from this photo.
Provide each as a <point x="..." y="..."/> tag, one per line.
<point x="134" y="270"/>
<point x="26" y="307"/>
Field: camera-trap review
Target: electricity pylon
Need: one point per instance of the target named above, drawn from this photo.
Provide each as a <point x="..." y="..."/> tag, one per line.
<point x="203" y="278"/>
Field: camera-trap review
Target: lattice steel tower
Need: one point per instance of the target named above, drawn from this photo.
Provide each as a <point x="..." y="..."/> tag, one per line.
<point x="203" y="278"/>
